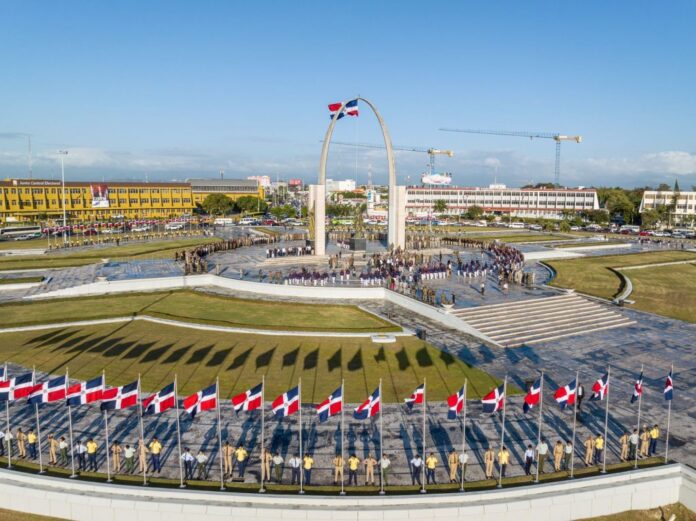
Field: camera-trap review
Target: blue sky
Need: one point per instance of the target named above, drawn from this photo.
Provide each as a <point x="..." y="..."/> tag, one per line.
<point x="178" y="89"/>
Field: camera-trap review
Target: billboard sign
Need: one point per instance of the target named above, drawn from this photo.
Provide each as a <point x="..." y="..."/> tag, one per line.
<point x="100" y="196"/>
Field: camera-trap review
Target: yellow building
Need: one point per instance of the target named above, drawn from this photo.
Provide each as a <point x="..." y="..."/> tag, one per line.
<point x="37" y="200"/>
<point x="232" y="188"/>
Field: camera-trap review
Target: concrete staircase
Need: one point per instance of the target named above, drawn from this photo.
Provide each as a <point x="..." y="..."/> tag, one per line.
<point x="540" y="320"/>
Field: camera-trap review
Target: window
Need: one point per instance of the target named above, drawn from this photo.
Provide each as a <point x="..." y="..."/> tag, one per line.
<point x="121" y="201"/>
<point x="133" y="201"/>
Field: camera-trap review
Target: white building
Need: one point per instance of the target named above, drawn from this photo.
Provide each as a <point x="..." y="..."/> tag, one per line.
<point x="263" y="180"/>
<point x="519" y="202"/>
<point x="686" y="203"/>
<point x="347" y="185"/>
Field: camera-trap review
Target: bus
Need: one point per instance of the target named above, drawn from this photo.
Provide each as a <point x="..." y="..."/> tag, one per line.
<point x="13" y="232"/>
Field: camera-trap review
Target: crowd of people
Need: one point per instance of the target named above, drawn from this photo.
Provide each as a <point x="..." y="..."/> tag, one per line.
<point x="292" y="251"/>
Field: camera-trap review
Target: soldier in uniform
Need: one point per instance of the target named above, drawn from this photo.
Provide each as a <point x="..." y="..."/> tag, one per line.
<point x="489" y="459"/>
<point x="116" y="452"/>
<point x="370" y="463"/>
<point x="623" y="440"/>
<point x="142" y="456"/>
<point x="21" y="443"/>
<point x="227" y="452"/>
<point x="266" y="465"/>
<point x="589" y="449"/>
<point x="557" y="456"/>
<point x="644" y="442"/>
<point x="453" y="463"/>
<point x="338" y="465"/>
<point x="52" y="450"/>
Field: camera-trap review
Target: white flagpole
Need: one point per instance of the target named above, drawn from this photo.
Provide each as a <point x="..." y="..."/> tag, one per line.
<point x="108" y="461"/>
<point x="70" y="433"/>
<point x="423" y="491"/>
<point x="606" y="424"/>
<point x="142" y="434"/>
<point x="669" y="415"/>
<point x="263" y="435"/>
<point x="178" y="432"/>
<point x="219" y="429"/>
<point x="640" y="399"/>
<point x="7" y="416"/>
<point x="575" y="423"/>
<point x="466" y="381"/>
<point x="381" y="432"/>
<point x="38" y="435"/>
<point x="343" y="397"/>
<point x="502" y="433"/>
<point x="299" y="399"/>
<point x="541" y="419"/>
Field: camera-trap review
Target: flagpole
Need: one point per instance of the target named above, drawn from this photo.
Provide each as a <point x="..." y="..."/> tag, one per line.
<point x="219" y="429"/>
<point x="178" y="432"/>
<point x="575" y="423"/>
<point x="669" y="413"/>
<point x="466" y="381"/>
<point x="299" y="407"/>
<point x="606" y="424"/>
<point x="640" y="399"/>
<point x="7" y="416"/>
<point x="343" y="462"/>
<point x="108" y="461"/>
<point x="423" y="491"/>
<point x="502" y="434"/>
<point x="142" y="434"/>
<point x="263" y="434"/>
<point x="70" y="432"/>
<point x="381" y="432"/>
<point x="38" y="435"/>
<point x="541" y="419"/>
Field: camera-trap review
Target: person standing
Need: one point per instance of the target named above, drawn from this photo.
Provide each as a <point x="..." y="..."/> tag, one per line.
<point x="63" y="448"/>
<point x="453" y="464"/>
<point x="644" y="442"/>
<point x="633" y="440"/>
<point x="21" y="443"/>
<point x="370" y="463"/>
<point x="278" y="467"/>
<point x="542" y="454"/>
<point x="528" y="460"/>
<point x="463" y="461"/>
<point x="568" y="455"/>
<point x="202" y="461"/>
<point x="295" y="463"/>
<point x="589" y="450"/>
<point x="581" y="395"/>
<point x="241" y="456"/>
<point x="416" y="464"/>
<point x="338" y="465"/>
<point x="187" y="460"/>
<point x="557" y="456"/>
<point x="155" y="451"/>
<point x="129" y="455"/>
<point x="227" y="451"/>
<point x="142" y="456"/>
<point x="307" y="464"/>
<point x="503" y="460"/>
<point x="353" y="465"/>
<point x="385" y="465"/>
<point x="654" y="436"/>
<point x="116" y="452"/>
<point x="81" y="450"/>
<point x="266" y="459"/>
<point x="92" y="454"/>
<point x="599" y="448"/>
<point x="52" y="450"/>
<point x="31" y="441"/>
<point x="623" y="441"/>
<point x="430" y="466"/>
<point x="489" y="460"/>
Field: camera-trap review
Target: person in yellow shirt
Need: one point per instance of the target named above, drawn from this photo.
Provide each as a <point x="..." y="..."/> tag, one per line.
<point x="142" y="456"/>
<point x="307" y="464"/>
<point x="489" y="459"/>
<point x="654" y="436"/>
<point x="116" y="452"/>
<point x="623" y="441"/>
<point x="589" y="445"/>
<point x="156" y="450"/>
<point x="52" y="450"/>
<point x="370" y="463"/>
<point x="241" y="455"/>
<point x="599" y="449"/>
<point x="557" y="456"/>
<point x="31" y="441"/>
<point x="353" y="466"/>
<point x="430" y="466"/>
<point x="453" y="464"/>
<point x="92" y="455"/>
<point x="338" y="465"/>
<point x="503" y="460"/>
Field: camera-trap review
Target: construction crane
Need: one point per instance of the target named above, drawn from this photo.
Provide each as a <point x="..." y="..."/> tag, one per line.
<point x="432" y="152"/>
<point x="558" y="138"/>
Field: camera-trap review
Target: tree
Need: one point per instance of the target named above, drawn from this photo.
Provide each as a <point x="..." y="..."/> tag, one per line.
<point x="440" y="206"/>
<point x="339" y="210"/>
<point x="564" y="226"/>
<point x="217" y="204"/>
<point x="474" y="212"/>
<point x="650" y="218"/>
<point x="250" y="204"/>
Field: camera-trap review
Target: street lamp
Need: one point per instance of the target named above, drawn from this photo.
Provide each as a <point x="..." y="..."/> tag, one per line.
<point x="62" y="154"/>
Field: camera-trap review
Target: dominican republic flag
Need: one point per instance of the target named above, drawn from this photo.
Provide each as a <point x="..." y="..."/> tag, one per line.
<point x="495" y="400"/>
<point x="86" y="392"/>
<point x="532" y="397"/>
<point x="287" y="403"/>
<point x="160" y="402"/>
<point x="416" y="397"/>
<point x="117" y="398"/>
<point x="637" y="388"/>
<point x="331" y="406"/>
<point x="201" y="401"/>
<point x="248" y="400"/>
<point x="669" y="388"/>
<point x="351" y="109"/>
<point x="455" y="403"/>
<point x="565" y="396"/>
<point x="48" y="392"/>
<point x="600" y="388"/>
<point x="369" y="407"/>
<point x="17" y="387"/>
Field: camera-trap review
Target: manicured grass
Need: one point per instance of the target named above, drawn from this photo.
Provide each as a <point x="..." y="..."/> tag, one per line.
<point x="666" y="290"/>
<point x="11" y="515"/>
<point x="159" y="352"/>
<point x="591" y="275"/>
<point x="21" y="280"/>
<point x="680" y="512"/>
<point x="191" y="306"/>
<point x="62" y="259"/>
<point x="31" y="244"/>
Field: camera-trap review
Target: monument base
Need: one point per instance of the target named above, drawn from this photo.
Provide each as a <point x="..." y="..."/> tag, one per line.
<point x="358" y="244"/>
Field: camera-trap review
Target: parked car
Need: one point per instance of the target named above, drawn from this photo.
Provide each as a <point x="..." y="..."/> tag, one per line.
<point x="174" y="226"/>
<point x="90" y="231"/>
<point x="535" y="227"/>
<point x="141" y="228"/>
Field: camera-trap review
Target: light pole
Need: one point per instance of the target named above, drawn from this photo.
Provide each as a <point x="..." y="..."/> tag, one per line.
<point x="62" y="154"/>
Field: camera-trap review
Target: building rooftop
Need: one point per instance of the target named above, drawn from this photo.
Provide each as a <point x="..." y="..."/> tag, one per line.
<point x="223" y="182"/>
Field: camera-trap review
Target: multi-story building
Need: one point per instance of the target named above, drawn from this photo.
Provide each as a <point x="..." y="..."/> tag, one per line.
<point x="42" y="199"/>
<point x="232" y="188"/>
<point x="499" y="199"/>
<point x="685" y="203"/>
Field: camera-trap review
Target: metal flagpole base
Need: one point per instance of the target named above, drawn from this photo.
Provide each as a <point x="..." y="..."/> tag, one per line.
<point x="109" y="480"/>
<point x="423" y="491"/>
<point x="381" y="492"/>
<point x="182" y="486"/>
<point x="262" y="491"/>
<point x="571" y="477"/>
<point x="499" y="486"/>
<point x="342" y="493"/>
<point x="146" y="484"/>
<point x="74" y="476"/>
<point x="42" y="472"/>
<point x="301" y="492"/>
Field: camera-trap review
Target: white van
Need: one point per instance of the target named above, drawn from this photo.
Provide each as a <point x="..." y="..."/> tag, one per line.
<point x="247" y="221"/>
<point x="516" y="225"/>
<point x="174" y="226"/>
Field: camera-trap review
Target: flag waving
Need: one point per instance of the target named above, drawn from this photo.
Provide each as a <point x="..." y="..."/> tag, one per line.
<point x="369" y="407"/>
<point x="287" y="403"/>
<point x="86" y="392"/>
<point x="416" y="397"/>
<point x="17" y="387"/>
<point x="495" y="400"/>
<point x="669" y="387"/>
<point x="248" y="400"/>
<point x="331" y="406"/>
<point x="160" y="401"/>
<point x="565" y="396"/>
<point x="48" y="392"/>
<point x="455" y="402"/>
<point x="351" y="109"/>
<point x="637" y="388"/>
<point x="532" y="397"/>
<point x="201" y="401"/>
<point x="600" y="387"/>
<point x="122" y="397"/>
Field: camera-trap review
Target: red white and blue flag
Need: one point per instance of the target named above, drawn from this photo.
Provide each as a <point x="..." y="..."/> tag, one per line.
<point x="117" y="398"/>
<point x="495" y="400"/>
<point x="204" y="400"/>
<point x="161" y="401"/>
<point x="565" y="396"/>
<point x="532" y="397"/>
<point x="637" y="388"/>
<point x="416" y="397"/>
<point x="455" y="402"/>
<point x="50" y="391"/>
<point x="287" y="403"/>
<point x="351" y="109"/>
<point x="600" y="388"/>
<point x="85" y="392"/>
<point x="17" y="387"/>
<point x="331" y="406"/>
<point x="248" y="400"/>
<point x="669" y="387"/>
<point x="369" y="407"/>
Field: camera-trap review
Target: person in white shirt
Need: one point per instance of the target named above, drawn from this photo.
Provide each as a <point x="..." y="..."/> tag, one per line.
<point x="416" y="464"/>
<point x="202" y="459"/>
<point x="295" y="463"/>
<point x="463" y="460"/>
<point x="63" y="449"/>
<point x="81" y="450"/>
<point x="188" y="460"/>
<point x="278" y="467"/>
<point x="385" y="465"/>
<point x="528" y="460"/>
<point x="542" y="452"/>
<point x="129" y="455"/>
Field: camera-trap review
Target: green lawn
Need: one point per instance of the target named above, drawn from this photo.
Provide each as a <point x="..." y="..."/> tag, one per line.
<point x="159" y="352"/>
<point x="38" y="244"/>
<point x="191" y="306"/>
<point x="591" y="275"/>
<point x="667" y="290"/>
<point x="680" y="512"/>
<point x="61" y="259"/>
<point x="11" y="515"/>
<point x="20" y="280"/>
